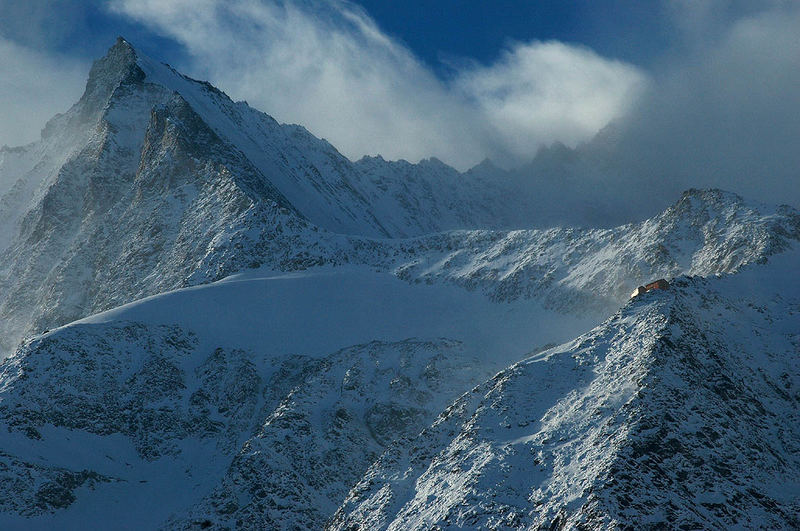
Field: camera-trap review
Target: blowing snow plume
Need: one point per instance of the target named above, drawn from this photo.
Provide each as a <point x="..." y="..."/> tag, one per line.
<point x="716" y="110"/>
<point x="330" y="67"/>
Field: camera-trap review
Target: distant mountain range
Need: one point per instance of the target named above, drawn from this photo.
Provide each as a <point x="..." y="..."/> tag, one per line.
<point x="213" y="320"/>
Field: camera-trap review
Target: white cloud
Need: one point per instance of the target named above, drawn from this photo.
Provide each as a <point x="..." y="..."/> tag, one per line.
<point x="545" y="91"/>
<point x="33" y="87"/>
<point x="722" y="113"/>
<point x="329" y="67"/>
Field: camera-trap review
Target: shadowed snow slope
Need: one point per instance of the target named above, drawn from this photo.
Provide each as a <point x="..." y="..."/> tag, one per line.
<point x="681" y="411"/>
<point x="258" y="383"/>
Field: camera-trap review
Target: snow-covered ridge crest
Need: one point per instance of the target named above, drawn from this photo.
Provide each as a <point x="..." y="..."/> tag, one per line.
<point x="706" y="232"/>
<point x="170" y="183"/>
<point x="680" y="411"/>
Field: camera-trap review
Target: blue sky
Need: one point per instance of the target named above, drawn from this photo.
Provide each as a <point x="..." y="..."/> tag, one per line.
<point x="697" y="87"/>
<point x="434" y="30"/>
<point x="438" y="30"/>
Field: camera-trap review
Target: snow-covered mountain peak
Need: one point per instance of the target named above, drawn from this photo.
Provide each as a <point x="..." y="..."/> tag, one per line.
<point x="118" y="66"/>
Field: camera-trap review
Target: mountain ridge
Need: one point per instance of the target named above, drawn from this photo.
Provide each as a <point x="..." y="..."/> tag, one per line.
<point x="226" y="300"/>
<point x="154" y="191"/>
<point x="669" y="414"/>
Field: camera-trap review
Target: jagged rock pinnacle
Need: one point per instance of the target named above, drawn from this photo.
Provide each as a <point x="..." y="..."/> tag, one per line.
<point x="118" y="66"/>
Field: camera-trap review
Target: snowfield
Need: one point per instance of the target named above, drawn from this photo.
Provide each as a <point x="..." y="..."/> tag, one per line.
<point x="176" y="377"/>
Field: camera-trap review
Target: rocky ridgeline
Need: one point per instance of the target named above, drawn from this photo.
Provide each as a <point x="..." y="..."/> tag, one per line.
<point x="680" y="411"/>
<point x="154" y="181"/>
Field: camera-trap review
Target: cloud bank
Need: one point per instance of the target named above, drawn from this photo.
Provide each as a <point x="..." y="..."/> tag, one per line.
<point x="720" y="110"/>
<point x="328" y="66"/>
<point x="725" y="114"/>
<point x="35" y="86"/>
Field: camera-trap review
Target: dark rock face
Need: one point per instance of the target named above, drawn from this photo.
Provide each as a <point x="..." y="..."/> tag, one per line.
<point x="118" y="67"/>
<point x="298" y="465"/>
<point x="30" y="489"/>
<point x="287" y="428"/>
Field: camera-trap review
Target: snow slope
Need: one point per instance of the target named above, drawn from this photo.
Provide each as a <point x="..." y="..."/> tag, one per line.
<point x="680" y="411"/>
<point x="181" y="396"/>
